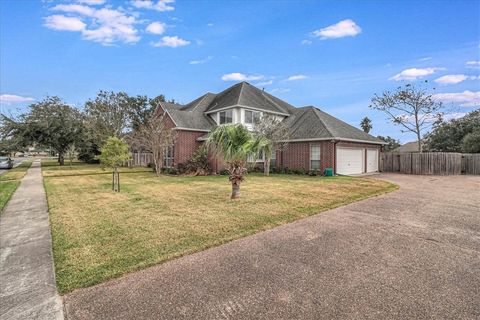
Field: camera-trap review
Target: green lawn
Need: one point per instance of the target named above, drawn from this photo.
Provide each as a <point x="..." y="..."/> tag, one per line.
<point x="99" y="234"/>
<point x="10" y="181"/>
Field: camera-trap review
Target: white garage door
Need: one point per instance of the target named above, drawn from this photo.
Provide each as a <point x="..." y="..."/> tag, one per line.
<point x="372" y="160"/>
<point x="349" y="161"/>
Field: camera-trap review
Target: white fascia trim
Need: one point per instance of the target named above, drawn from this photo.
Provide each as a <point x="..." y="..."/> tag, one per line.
<point x="248" y="107"/>
<point x="338" y="140"/>
<point x="190" y="129"/>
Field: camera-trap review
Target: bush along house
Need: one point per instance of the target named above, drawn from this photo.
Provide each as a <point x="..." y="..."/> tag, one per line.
<point x="317" y="140"/>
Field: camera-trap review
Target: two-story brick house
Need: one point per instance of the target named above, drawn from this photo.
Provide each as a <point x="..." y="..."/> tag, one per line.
<point x="317" y="139"/>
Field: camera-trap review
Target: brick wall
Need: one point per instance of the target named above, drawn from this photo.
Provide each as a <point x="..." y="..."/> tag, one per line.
<point x="297" y="155"/>
<point x="186" y="142"/>
<point x="185" y="145"/>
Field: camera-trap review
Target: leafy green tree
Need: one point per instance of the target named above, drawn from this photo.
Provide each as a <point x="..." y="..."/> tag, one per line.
<point x="392" y="143"/>
<point x="50" y="123"/>
<point x="366" y="124"/>
<point x="275" y="134"/>
<point x="447" y="136"/>
<point x="114" y="153"/>
<point x="108" y="115"/>
<point x="414" y="109"/>
<point x="234" y="143"/>
<point x="471" y="142"/>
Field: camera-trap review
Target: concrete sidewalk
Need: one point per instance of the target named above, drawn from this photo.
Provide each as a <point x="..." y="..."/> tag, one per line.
<point x="27" y="278"/>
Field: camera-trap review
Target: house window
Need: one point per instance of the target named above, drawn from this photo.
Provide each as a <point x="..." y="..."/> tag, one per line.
<point x="252" y="117"/>
<point x="168" y="157"/>
<point x="250" y="158"/>
<point x="314" y="157"/>
<point x="273" y="159"/>
<point x="226" y="116"/>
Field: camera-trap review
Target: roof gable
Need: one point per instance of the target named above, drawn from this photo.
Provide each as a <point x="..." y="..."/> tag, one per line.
<point x="244" y="94"/>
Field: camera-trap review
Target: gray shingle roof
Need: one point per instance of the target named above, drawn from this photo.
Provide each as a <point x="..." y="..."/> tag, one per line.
<point x="191" y="119"/>
<point x="408" y="147"/>
<point x="305" y="123"/>
<point x="245" y="94"/>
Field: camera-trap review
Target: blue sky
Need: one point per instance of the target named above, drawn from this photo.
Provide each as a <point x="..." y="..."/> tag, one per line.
<point x="331" y="54"/>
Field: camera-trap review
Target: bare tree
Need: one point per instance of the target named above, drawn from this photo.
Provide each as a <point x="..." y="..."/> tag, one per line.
<point x="155" y="137"/>
<point x="276" y="133"/>
<point x="412" y="108"/>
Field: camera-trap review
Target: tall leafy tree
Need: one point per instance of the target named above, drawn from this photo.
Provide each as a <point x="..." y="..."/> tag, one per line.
<point x="275" y="134"/>
<point x="108" y="115"/>
<point x="447" y="136"/>
<point x="392" y="143"/>
<point x="366" y="124"/>
<point x="51" y="123"/>
<point x="471" y="142"/>
<point x="234" y="143"/>
<point x="412" y="108"/>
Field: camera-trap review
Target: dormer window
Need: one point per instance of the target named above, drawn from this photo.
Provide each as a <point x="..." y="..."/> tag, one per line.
<point x="252" y="117"/>
<point x="226" y="116"/>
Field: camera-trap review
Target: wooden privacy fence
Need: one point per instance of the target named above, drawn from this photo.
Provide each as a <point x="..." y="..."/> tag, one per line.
<point x="437" y="163"/>
<point x="140" y="159"/>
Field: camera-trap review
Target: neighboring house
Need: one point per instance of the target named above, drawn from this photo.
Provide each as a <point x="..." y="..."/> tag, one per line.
<point x="317" y="139"/>
<point x="407" y="147"/>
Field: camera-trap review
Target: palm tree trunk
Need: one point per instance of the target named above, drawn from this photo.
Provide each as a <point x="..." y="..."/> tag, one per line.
<point x="235" y="190"/>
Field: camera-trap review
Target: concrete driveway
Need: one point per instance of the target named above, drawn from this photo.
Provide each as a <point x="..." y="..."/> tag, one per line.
<point x="411" y="254"/>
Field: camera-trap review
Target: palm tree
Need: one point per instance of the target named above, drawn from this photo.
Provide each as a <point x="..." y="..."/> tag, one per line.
<point x="235" y="144"/>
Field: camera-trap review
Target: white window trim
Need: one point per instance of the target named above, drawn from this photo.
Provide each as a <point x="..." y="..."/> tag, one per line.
<point x="319" y="156"/>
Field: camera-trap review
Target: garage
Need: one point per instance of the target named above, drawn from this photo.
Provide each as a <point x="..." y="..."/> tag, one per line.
<point x="372" y="160"/>
<point x="350" y="160"/>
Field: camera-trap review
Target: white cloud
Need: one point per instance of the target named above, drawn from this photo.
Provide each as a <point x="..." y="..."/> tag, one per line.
<point x="344" y="28"/>
<point x="425" y="59"/>
<point x="61" y="22"/>
<point x="210" y="24"/>
<point x="156" y="27"/>
<point x="264" y="83"/>
<point x="92" y="2"/>
<point x="414" y="73"/>
<point x="306" y="42"/>
<point x="104" y="25"/>
<point x="75" y="8"/>
<point x="452" y="79"/>
<point x="12" y="98"/>
<point x="473" y="64"/>
<point x="172" y="42"/>
<point x="202" y="61"/>
<point x="160" y="5"/>
<point x="454" y="115"/>
<point x="237" y="76"/>
<point x="465" y="99"/>
<point x="296" y="77"/>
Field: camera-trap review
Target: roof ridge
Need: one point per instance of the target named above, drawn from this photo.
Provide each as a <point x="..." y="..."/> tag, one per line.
<point x="321" y="120"/>
<point x="242" y="84"/>
<point x="203" y="98"/>
<point x="274" y="103"/>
